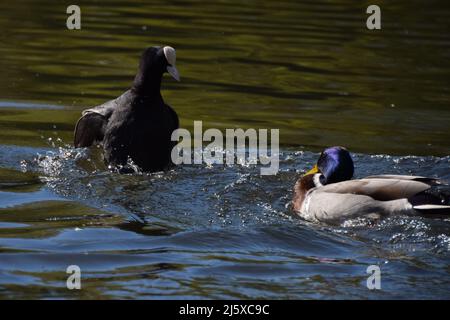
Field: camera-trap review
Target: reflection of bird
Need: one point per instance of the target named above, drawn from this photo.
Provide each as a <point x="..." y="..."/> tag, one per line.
<point x="326" y="193"/>
<point x="138" y="124"/>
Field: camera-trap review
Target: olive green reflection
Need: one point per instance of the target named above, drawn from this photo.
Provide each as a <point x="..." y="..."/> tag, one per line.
<point x="311" y="69"/>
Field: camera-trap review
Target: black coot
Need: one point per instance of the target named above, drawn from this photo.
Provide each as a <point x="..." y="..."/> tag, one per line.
<point x="138" y="125"/>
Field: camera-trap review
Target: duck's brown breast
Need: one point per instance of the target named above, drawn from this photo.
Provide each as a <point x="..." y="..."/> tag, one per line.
<point x="302" y="186"/>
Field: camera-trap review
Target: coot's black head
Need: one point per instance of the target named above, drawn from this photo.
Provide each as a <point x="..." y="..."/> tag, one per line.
<point x="335" y="164"/>
<point x="155" y="61"/>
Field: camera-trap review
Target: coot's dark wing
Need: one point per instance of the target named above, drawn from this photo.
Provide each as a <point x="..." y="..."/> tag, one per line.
<point x="89" y="129"/>
<point x="91" y="126"/>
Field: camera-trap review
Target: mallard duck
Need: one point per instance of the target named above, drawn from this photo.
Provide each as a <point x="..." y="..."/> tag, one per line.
<point x="138" y="124"/>
<point x="326" y="193"/>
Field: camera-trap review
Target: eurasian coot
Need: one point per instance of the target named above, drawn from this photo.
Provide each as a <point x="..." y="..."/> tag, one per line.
<point x="137" y="125"/>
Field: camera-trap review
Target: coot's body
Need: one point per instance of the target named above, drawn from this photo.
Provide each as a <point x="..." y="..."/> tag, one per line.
<point x="140" y="129"/>
<point x="138" y="125"/>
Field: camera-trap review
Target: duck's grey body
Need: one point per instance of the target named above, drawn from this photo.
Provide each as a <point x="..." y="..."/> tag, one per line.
<point x="372" y="197"/>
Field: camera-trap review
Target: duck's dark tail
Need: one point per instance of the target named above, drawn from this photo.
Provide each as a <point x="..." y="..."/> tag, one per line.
<point x="433" y="209"/>
<point x="431" y="204"/>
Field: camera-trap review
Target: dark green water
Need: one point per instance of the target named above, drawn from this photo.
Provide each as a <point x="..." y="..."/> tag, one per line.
<point x="308" y="68"/>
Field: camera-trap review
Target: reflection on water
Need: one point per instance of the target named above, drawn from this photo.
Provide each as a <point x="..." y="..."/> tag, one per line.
<point x="309" y="68"/>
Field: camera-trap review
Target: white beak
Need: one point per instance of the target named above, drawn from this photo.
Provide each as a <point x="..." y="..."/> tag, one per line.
<point x="171" y="58"/>
<point x="172" y="70"/>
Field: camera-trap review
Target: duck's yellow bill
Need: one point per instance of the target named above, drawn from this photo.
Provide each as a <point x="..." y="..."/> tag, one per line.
<point x="314" y="170"/>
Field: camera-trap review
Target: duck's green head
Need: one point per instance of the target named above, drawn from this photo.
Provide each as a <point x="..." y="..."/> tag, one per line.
<point x="335" y="164"/>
